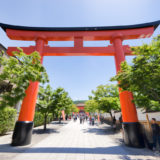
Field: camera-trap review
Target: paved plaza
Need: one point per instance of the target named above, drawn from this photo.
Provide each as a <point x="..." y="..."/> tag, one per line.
<point x="75" y="141"/>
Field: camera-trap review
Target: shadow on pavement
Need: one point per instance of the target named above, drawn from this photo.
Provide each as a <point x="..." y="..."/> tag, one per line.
<point x="114" y="150"/>
<point x="59" y="123"/>
<point x="107" y="130"/>
<point x="50" y="129"/>
<point x="42" y="131"/>
<point x="100" y="131"/>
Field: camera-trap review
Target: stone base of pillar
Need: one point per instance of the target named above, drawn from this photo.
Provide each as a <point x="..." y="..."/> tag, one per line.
<point x="133" y="136"/>
<point x="22" y="133"/>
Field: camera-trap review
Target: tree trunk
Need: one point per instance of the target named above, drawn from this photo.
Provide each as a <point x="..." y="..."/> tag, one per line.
<point x="111" y="114"/>
<point x="45" y="121"/>
<point x="59" y="120"/>
<point x="53" y="115"/>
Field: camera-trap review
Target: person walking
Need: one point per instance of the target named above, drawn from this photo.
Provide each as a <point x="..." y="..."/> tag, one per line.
<point x="114" y="123"/>
<point x="92" y="120"/>
<point x="155" y="133"/>
<point x="120" y="121"/>
<point x="81" y="119"/>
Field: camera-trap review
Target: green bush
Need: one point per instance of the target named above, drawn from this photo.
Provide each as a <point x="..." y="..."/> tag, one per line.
<point x="7" y="119"/>
<point x="39" y="119"/>
<point x="49" y="118"/>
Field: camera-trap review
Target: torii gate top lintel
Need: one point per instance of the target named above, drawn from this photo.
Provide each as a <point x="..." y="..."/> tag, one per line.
<point x="136" y="31"/>
<point x="78" y="35"/>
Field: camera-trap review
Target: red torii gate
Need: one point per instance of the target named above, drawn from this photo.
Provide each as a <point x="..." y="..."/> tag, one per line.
<point x="41" y="35"/>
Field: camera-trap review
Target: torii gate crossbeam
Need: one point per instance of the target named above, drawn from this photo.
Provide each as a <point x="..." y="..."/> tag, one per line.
<point x="73" y="51"/>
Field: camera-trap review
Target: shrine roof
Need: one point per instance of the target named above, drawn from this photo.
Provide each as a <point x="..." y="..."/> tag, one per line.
<point x="80" y="105"/>
<point x="121" y="27"/>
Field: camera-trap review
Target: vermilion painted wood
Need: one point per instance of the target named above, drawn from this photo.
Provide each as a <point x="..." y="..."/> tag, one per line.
<point x="63" y="115"/>
<point x="29" y="102"/>
<point x="86" y="35"/>
<point x="128" y="109"/>
<point x="73" y="51"/>
<point x="80" y="107"/>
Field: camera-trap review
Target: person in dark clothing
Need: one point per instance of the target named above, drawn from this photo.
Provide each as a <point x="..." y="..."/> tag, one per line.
<point x="81" y="119"/>
<point x="90" y="120"/>
<point x="114" y="123"/>
<point x="155" y="133"/>
<point x="93" y="119"/>
<point x="114" y="120"/>
<point x="120" y="121"/>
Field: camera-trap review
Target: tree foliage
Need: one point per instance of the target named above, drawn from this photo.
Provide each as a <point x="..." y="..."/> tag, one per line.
<point x="53" y="102"/>
<point x="91" y="106"/>
<point x="143" y="76"/>
<point x="39" y="119"/>
<point x="17" y="72"/>
<point x="61" y="101"/>
<point x="44" y="103"/>
<point x="74" y="109"/>
<point x="105" y="98"/>
<point x="105" y="91"/>
<point x="107" y="104"/>
<point x="7" y="119"/>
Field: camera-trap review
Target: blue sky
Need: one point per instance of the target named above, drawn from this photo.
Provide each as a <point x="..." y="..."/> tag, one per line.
<point x="78" y="75"/>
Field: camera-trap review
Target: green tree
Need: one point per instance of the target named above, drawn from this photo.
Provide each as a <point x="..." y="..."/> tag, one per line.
<point x="17" y="72"/>
<point x="74" y="109"/>
<point x="68" y="106"/>
<point x="91" y="106"/>
<point x="61" y="101"/>
<point x="107" y="104"/>
<point x="107" y="98"/>
<point x="143" y="76"/>
<point x="44" y="103"/>
<point x="105" y="91"/>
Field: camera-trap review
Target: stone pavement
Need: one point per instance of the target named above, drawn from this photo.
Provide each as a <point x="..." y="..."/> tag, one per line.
<point x="76" y="141"/>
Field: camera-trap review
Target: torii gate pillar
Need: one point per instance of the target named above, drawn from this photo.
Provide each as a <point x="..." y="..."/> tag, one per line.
<point x="23" y="129"/>
<point x="131" y="127"/>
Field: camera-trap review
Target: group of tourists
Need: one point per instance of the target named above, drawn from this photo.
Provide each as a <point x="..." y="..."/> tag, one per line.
<point x="91" y="119"/>
<point x="84" y="117"/>
<point x="75" y="117"/>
